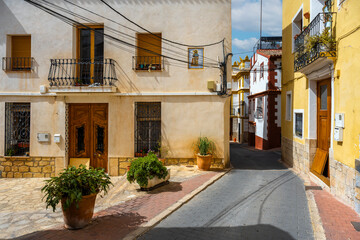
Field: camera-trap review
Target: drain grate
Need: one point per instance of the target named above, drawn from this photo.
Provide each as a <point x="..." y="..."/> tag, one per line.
<point x="313" y="188"/>
<point x="356" y="226"/>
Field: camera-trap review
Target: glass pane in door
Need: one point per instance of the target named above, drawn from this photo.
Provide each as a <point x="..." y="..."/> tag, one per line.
<point x="98" y="55"/>
<point x="323" y="97"/>
<point x="85" y="55"/>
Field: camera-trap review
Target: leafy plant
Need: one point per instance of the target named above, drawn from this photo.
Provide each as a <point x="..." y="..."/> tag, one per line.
<point x="324" y="39"/>
<point x="145" y="168"/>
<point x="205" y="146"/>
<point x="10" y="152"/>
<point x="73" y="183"/>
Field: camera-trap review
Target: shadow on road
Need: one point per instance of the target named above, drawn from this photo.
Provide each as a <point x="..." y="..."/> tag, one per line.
<point x="251" y="232"/>
<point x="244" y="157"/>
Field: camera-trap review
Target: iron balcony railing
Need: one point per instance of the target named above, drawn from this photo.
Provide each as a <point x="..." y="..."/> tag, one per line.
<point x="148" y="63"/>
<point x="82" y="72"/>
<point x="17" y="63"/>
<point x="315" y="41"/>
<point x="268" y="43"/>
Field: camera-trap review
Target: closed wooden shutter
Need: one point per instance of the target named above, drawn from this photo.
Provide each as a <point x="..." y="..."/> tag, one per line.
<point x="21" y="52"/>
<point x="152" y="43"/>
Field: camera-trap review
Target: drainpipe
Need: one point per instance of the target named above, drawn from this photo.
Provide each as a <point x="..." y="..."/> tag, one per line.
<point x="223" y="67"/>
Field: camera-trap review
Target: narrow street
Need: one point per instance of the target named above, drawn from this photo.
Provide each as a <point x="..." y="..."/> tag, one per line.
<point x="258" y="199"/>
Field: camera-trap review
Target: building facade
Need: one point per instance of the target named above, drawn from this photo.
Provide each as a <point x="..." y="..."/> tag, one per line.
<point x="82" y="87"/>
<point x="265" y="99"/>
<point x="320" y="133"/>
<point x="239" y="117"/>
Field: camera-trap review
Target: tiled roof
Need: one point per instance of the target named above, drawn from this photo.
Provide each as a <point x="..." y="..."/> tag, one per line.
<point x="270" y="52"/>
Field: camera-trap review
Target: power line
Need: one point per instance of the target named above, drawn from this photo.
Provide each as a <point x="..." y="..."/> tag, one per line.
<point x="182" y="44"/>
<point x="112" y="29"/>
<point x="152" y="36"/>
<point x="75" y="23"/>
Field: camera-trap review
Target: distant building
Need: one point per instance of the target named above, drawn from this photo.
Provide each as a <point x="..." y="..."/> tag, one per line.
<point x="239" y="116"/>
<point x="265" y="95"/>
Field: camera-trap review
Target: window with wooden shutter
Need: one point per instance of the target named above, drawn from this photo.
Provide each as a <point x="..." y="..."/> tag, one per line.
<point x="148" y="52"/>
<point x="21" y="53"/>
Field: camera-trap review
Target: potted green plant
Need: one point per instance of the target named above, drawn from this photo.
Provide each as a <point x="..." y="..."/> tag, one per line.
<point x="323" y="40"/>
<point x="76" y="189"/>
<point x="147" y="171"/>
<point x="205" y="151"/>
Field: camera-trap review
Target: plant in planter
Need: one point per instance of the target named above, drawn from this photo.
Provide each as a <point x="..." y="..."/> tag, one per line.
<point x="323" y="40"/>
<point x="147" y="171"/>
<point x="76" y="188"/>
<point x="205" y="151"/>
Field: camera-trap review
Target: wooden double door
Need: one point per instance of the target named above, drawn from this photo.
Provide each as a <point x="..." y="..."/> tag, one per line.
<point x="88" y="133"/>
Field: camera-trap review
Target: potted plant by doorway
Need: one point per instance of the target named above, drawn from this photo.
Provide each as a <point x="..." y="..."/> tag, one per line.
<point x="205" y="151"/>
<point x="76" y="189"/>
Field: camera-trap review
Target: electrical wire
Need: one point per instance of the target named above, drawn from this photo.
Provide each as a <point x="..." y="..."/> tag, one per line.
<point x="75" y="23"/>
<point x="112" y="29"/>
<point x="182" y="44"/>
<point x="152" y="35"/>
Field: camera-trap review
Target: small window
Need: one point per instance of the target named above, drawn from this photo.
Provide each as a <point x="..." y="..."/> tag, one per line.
<point x="288" y="106"/>
<point x="147" y="127"/>
<point x="254" y="75"/>
<point x="17" y="129"/>
<point x="259" y="108"/>
<point x="299" y="123"/>
<point x="148" y="52"/>
<point x="20" y="58"/>
<point x="262" y="70"/>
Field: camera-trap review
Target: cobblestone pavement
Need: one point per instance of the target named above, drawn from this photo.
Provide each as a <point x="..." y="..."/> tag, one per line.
<point x="259" y="199"/>
<point x="336" y="217"/>
<point x="22" y="210"/>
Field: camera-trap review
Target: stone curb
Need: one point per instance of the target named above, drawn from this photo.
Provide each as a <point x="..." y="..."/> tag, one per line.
<point x="155" y="220"/>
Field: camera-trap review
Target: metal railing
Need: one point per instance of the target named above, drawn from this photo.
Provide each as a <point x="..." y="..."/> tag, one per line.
<point x="146" y="63"/>
<point x="310" y="43"/>
<point x="82" y="72"/>
<point x="268" y="43"/>
<point x="17" y="63"/>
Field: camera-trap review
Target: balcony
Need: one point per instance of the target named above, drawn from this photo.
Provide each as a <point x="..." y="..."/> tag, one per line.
<point x="17" y="63"/>
<point x="268" y="43"/>
<point x="148" y="63"/>
<point x="315" y="44"/>
<point x="83" y="75"/>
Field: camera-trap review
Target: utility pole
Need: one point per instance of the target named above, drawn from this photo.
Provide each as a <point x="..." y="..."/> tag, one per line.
<point x="260" y="22"/>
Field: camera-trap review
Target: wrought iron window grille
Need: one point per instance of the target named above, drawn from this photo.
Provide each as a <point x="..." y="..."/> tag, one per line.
<point x="17" y="129"/>
<point x="148" y="63"/>
<point x="147" y="127"/>
<point x="17" y="63"/>
<point x="306" y="51"/>
<point x="82" y="72"/>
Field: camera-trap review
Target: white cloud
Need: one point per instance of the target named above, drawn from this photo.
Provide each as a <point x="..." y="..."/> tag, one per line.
<point x="244" y="45"/>
<point x="246" y="16"/>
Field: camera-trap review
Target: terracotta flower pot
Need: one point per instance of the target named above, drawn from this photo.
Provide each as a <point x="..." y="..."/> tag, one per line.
<point x="204" y="162"/>
<point x="76" y="218"/>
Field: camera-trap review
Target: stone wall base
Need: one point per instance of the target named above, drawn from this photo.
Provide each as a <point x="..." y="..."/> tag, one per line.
<point x="27" y="167"/>
<point x="342" y="181"/>
<point x="118" y="165"/>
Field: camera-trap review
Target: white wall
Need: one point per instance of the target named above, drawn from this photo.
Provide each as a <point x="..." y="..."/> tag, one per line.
<point x="261" y="84"/>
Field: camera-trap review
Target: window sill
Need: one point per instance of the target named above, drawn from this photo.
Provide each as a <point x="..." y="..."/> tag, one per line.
<point x="81" y="89"/>
<point x="17" y="157"/>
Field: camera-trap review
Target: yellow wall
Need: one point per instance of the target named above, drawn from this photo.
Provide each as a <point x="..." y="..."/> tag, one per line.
<point x="346" y="95"/>
<point x="346" y="86"/>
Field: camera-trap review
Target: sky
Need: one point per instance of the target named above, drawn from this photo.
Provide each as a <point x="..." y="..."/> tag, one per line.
<point x="245" y="16"/>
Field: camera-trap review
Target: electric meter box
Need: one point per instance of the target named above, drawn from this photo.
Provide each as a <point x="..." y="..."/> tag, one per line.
<point x="338" y="134"/>
<point x="57" y="138"/>
<point x="43" y="137"/>
<point x="339" y="120"/>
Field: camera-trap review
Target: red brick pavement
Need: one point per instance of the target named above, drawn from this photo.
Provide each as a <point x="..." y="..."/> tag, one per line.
<point x="118" y="221"/>
<point x="336" y="217"/>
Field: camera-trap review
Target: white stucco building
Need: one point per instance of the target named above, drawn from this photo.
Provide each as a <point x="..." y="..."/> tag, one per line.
<point x="104" y="90"/>
<point x="265" y="99"/>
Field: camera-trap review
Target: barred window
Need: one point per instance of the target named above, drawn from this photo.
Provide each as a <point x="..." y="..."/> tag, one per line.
<point x="17" y="129"/>
<point x="147" y="127"/>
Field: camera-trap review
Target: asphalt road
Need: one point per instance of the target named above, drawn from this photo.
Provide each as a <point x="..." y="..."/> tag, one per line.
<point x="258" y="199"/>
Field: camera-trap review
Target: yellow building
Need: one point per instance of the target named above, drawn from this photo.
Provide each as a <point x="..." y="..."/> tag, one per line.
<point x="239" y="117"/>
<point x="320" y="110"/>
